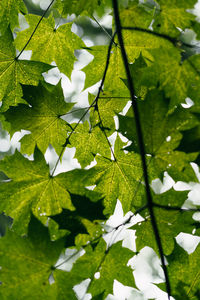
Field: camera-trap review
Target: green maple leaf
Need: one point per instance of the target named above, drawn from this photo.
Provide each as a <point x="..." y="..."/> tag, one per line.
<point x="50" y="44"/>
<point x="118" y="179"/>
<point x="31" y="188"/>
<point x="179" y="79"/>
<point x="46" y="107"/>
<point x="135" y="43"/>
<point x="88" y="143"/>
<point x="111" y="264"/>
<point x="135" y="15"/>
<point x="172" y="14"/>
<point x="14" y="72"/>
<point x="77" y="7"/>
<point x="25" y="270"/>
<point x="184" y="275"/>
<point x="170" y="223"/>
<point x="161" y="132"/>
<point x="9" y="10"/>
<point x="81" y="223"/>
<point x="108" y="107"/>
<point x="114" y="266"/>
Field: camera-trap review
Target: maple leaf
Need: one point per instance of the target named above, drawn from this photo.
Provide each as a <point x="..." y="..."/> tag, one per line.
<point x="171" y="15"/>
<point x="179" y="79"/>
<point x="14" y="72"/>
<point x="135" y="14"/>
<point x="31" y="188"/>
<point x="184" y="273"/>
<point x="50" y="43"/>
<point x="81" y="223"/>
<point x="161" y="131"/>
<point x="118" y="179"/>
<point x="46" y="106"/>
<point x="108" y="107"/>
<point x="135" y="43"/>
<point x="88" y="143"/>
<point x="32" y="259"/>
<point x="9" y="10"/>
<point x="169" y="222"/>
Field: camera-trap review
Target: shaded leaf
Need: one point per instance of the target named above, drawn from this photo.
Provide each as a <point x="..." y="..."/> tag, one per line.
<point x="25" y="269"/>
<point x="9" y="10"/>
<point x="46" y="109"/>
<point x="14" y="72"/>
<point x="161" y="132"/>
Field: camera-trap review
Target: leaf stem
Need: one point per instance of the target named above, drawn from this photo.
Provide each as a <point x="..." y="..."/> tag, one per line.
<point x="141" y="143"/>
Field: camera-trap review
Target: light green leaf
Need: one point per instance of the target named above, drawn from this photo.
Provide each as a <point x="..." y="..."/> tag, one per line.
<point x="135" y="43"/>
<point x="46" y="107"/>
<point x="136" y="15"/>
<point x="88" y="143"/>
<point x="114" y="266"/>
<point x="50" y="43"/>
<point x="9" y="10"/>
<point x="118" y="179"/>
<point x="173" y="14"/>
<point x="31" y="188"/>
<point x="14" y="72"/>
<point x="108" y="107"/>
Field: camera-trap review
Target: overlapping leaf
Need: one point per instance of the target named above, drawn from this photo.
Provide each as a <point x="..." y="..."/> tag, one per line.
<point x="108" y="107"/>
<point x="135" y="14"/>
<point x="81" y="223"/>
<point x="171" y="15"/>
<point x="184" y="273"/>
<point x="135" y="43"/>
<point x="111" y="264"/>
<point x="170" y="223"/>
<point x="161" y="131"/>
<point x="88" y="143"/>
<point x="31" y="188"/>
<point x="50" y="43"/>
<point x="179" y="79"/>
<point x="14" y="72"/>
<point x="9" y="10"/>
<point x="27" y="263"/>
<point x="77" y="6"/>
<point x="118" y="179"/>
<point x="42" y="117"/>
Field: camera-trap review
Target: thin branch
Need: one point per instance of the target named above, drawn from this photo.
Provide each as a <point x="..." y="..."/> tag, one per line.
<point x="67" y="259"/>
<point x="139" y="210"/>
<point x="175" y="208"/>
<point x="42" y="17"/>
<point x="92" y="105"/>
<point x="106" y="32"/>
<point x="105" y="134"/>
<point x="176" y="42"/>
<point x="141" y="144"/>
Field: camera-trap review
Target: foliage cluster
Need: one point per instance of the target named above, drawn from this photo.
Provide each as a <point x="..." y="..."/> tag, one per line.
<point x="148" y="65"/>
